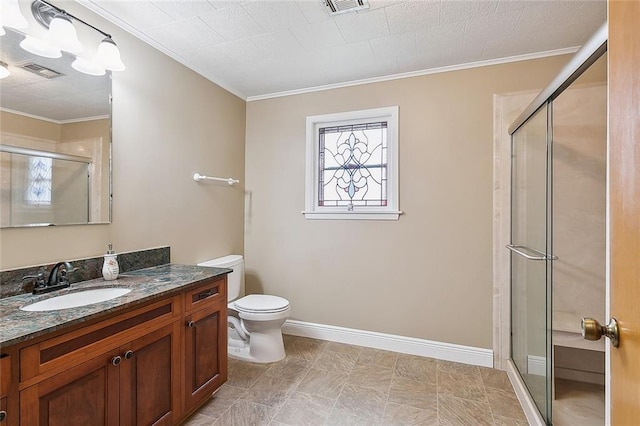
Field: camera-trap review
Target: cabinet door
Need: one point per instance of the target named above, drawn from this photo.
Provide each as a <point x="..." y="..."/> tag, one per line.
<point x="149" y="374"/>
<point x="86" y="394"/>
<point x="205" y="353"/>
<point x="3" y="412"/>
<point x="5" y="382"/>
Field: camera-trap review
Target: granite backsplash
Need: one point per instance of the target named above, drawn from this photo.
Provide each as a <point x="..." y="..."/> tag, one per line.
<point x="12" y="284"/>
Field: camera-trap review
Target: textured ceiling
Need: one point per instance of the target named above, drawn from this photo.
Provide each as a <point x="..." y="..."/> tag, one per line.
<point x="72" y="96"/>
<point x="265" y="47"/>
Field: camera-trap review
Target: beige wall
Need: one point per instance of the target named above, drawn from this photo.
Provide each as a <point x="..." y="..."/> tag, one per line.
<point x="93" y="137"/>
<point x="30" y="127"/>
<point x="168" y="123"/>
<point x="428" y="275"/>
<point x="85" y="130"/>
<point x="35" y="128"/>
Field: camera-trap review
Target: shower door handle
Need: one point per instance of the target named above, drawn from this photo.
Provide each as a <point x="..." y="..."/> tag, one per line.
<point x="592" y="330"/>
<point x="529" y="253"/>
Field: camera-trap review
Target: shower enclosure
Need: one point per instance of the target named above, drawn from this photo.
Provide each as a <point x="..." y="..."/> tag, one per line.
<point x="42" y="188"/>
<point x="533" y="258"/>
<point x="531" y="271"/>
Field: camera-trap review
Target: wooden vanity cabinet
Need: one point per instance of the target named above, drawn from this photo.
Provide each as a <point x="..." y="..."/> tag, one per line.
<point x="128" y="386"/>
<point x="126" y="372"/>
<point x="3" y="411"/>
<point x="149" y="366"/>
<point x="150" y="378"/>
<point x="205" y="350"/>
<point x="5" y="380"/>
<point x="85" y="394"/>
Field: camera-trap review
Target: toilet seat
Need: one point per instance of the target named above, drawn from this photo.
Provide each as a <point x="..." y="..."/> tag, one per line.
<point x="260" y="303"/>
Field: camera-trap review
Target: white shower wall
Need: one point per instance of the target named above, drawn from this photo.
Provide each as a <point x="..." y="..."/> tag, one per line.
<point x="579" y="205"/>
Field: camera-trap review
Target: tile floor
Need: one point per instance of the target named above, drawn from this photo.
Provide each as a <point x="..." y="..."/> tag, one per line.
<point x="578" y="403"/>
<point x="326" y="383"/>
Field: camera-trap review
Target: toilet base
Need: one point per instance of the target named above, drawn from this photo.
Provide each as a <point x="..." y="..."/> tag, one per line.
<point x="238" y="349"/>
<point x="263" y="340"/>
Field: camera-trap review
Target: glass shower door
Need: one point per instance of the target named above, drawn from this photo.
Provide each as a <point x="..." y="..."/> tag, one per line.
<point x="530" y="268"/>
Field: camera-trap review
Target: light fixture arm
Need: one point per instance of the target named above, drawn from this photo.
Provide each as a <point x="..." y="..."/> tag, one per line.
<point x="43" y="12"/>
<point x="62" y="35"/>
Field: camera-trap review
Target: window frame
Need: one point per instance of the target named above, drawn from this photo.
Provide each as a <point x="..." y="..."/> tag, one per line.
<point x="313" y="123"/>
<point x="32" y="176"/>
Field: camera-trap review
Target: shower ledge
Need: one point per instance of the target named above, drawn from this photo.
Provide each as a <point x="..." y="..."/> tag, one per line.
<point x="567" y="333"/>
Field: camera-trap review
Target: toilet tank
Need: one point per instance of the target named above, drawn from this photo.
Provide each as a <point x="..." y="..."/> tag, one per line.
<point x="235" y="278"/>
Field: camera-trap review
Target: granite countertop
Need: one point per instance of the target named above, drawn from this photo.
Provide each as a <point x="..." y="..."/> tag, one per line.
<point x="145" y="284"/>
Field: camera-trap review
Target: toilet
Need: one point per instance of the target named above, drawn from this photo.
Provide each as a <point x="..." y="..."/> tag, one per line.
<point x="255" y="321"/>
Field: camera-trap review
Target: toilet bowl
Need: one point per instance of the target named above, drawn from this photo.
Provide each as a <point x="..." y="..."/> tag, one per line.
<point x="255" y="321"/>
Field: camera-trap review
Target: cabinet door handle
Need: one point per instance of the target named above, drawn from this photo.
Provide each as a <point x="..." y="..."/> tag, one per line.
<point x="116" y="360"/>
<point x="205" y="294"/>
<point x="191" y="324"/>
<point x="128" y="355"/>
<point x="3" y="415"/>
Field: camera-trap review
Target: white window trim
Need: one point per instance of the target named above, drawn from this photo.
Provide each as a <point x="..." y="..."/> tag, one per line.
<point x="388" y="212"/>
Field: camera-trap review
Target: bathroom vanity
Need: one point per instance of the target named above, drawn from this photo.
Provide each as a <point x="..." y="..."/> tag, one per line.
<point x="151" y="356"/>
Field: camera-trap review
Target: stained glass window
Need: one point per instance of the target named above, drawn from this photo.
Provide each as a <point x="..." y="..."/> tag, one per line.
<point x="38" y="188"/>
<point x="353" y="165"/>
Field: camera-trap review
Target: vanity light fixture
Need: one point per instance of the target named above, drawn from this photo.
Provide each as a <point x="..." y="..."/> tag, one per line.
<point x="11" y="15"/>
<point x="4" y="70"/>
<point x="87" y="66"/>
<point x="40" y="47"/>
<point x="62" y="35"/>
<point x="109" y="55"/>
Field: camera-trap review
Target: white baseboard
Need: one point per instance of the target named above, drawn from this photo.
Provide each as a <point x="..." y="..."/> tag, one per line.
<point x="536" y="365"/>
<point x="390" y="342"/>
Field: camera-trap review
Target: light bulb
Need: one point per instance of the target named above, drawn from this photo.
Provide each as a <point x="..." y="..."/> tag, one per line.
<point x="11" y="14"/>
<point x="109" y="55"/>
<point x="63" y="34"/>
<point x="87" y="66"/>
<point x="40" y="47"/>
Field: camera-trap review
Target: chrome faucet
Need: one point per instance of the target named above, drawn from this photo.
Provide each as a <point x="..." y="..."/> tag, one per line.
<point x="57" y="278"/>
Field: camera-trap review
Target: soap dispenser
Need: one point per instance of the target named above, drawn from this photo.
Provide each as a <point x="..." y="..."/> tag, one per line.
<point x="110" y="268"/>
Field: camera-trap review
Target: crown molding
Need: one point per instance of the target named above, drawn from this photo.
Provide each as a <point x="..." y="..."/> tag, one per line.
<point x="449" y="68"/>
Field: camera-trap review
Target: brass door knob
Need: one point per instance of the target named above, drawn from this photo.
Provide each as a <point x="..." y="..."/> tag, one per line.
<point x="592" y="330"/>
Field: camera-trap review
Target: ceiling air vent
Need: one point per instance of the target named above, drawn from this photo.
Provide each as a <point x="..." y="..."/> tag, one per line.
<point x="40" y="70"/>
<point x="337" y="7"/>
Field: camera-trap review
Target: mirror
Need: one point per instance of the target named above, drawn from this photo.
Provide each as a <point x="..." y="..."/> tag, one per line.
<point x="55" y="140"/>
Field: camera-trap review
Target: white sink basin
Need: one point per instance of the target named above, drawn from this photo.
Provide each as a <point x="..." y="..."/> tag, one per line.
<point x="74" y="300"/>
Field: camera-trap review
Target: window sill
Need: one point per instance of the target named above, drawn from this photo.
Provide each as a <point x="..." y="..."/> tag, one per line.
<point x="389" y="215"/>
